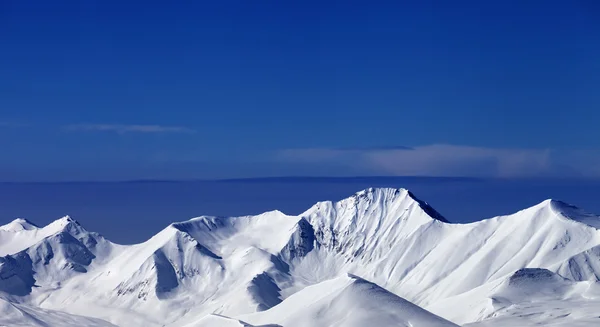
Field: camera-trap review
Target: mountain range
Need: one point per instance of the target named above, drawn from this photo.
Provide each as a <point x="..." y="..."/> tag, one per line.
<point x="381" y="256"/>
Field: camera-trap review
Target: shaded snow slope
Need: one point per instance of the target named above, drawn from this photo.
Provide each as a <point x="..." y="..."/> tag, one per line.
<point x="62" y="250"/>
<point x="217" y="267"/>
<point x="582" y="266"/>
<point x="574" y="213"/>
<point x="20" y="234"/>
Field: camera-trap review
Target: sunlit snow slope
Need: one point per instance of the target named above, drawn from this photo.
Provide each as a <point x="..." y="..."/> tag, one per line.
<point x="380" y="257"/>
<point x="347" y="301"/>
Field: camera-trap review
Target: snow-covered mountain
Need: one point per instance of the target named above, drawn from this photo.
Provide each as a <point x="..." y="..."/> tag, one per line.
<point x="381" y="256"/>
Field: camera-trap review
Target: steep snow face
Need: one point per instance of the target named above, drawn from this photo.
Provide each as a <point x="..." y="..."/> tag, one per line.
<point x="58" y="257"/>
<point x="390" y="237"/>
<point x="20" y="234"/>
<point x="208" y="246"/>
<point x="225" y="235"/>
<point x="237" y="266"/>
<point x="16" y="275"/>
<point x="154" y="269"/>
<point x="61" y="251"/>
<point x="205" y="265"/>
<point x="346" y="301"/>
<point x="582" y="266"/>
<point x="353" y="227"/>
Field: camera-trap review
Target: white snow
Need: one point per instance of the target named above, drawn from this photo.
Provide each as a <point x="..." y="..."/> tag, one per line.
<point x="379" y="257"/>
<point x="18" y="225"/>
<point x="347" y="301"/>
<point x="20" y="234"/>
<point x="19" y="315"/>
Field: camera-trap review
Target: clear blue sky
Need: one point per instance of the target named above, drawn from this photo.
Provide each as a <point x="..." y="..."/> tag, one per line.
<point x="101" y="90"/>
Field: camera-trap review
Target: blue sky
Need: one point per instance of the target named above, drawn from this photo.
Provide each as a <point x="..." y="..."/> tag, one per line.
<point x="111" y="90"/>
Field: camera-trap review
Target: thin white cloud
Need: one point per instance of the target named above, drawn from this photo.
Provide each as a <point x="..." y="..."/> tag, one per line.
<point x="455" y="160"/>
<point x="452" y="160"/>
<point x="121" y="129"/>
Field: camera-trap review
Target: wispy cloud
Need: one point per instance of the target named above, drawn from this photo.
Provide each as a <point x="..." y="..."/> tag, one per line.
<point x="121" y="129"/>
<point x="454" y="160"/>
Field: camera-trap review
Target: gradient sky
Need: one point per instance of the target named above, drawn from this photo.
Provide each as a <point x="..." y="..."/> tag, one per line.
<point x="105" y="90"/>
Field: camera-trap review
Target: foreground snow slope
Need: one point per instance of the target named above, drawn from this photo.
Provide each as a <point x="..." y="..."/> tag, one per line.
<point x="218" y="267"/>
<point x="347" y="301"/>
<point x="220" y="321"/>
<point x="19" y="315"/>
<point x="531" y="297"/>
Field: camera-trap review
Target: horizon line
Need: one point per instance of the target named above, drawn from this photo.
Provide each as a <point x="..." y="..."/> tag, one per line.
<point x="301" y="178"/>
<point x="291" y="178"/>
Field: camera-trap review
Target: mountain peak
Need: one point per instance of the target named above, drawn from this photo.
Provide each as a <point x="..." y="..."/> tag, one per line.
<point x="358" y="225"/>
<point x="427" y="208"/>
<point x="399" y="194"/>
<point x="385" y="191"/>
<point x="18" y="225"/>
<point x="571" y="212"/>
<point x="385" y="198"/>
<point x="65" y="223"/>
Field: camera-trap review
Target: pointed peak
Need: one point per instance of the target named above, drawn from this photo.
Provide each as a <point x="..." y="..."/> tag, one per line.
<point x="553" y="204"/>
<point x="379" y="197"/>
<point x="271" y="213"/>
<point x="381" y="191"/>
<point x="428" y="209"/>
<point x="275" y="212"/>
<point x="394" y="194"/>
<point x="65" y="220"/>
<point x="373" y="194"/>
<point x="19" y="224"/>
<point x="62" y="224"/>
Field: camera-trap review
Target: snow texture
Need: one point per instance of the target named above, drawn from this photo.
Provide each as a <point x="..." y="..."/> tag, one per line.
<point x="381" y="257"/>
